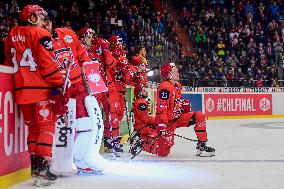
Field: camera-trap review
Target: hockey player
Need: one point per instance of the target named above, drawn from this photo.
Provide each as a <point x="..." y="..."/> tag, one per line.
<point x="173" y="112"/>
<point x="124" y="75"/>
<point x="145" y="125"/>
<point x="141" y="76"/>
<point x="29" y="47"/>
<point x="99" y="51"/>
<point x="70" y="53"/>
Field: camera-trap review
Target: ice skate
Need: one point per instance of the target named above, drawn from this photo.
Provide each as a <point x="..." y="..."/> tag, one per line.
<point x="136" y="144"/>
<point x="203" y="150"/>
<point x="113" y="146"/>
<point x="93" y="166"/>
<point x="43" y="177"/>
<point x="89" y="171"/>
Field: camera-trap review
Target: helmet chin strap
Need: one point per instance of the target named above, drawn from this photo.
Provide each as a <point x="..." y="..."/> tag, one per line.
<point x="34" y="23"/>
<point x="171" y="75"/>
<point x="87" y="45"/>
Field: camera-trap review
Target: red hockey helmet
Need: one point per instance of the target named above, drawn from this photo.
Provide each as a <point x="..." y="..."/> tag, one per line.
<point x="97" y="41"/>
<point x="137" y="61"/>
<point x="115" y="40"/>
<point x="167" y="68"/>
<point x="137" y="90"/>
<point x="28" y="10"/>
<point x="86" y="32"/>
<point x="105" y="44"/>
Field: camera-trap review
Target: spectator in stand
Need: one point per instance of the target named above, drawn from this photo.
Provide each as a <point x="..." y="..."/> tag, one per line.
<point x="258" y="74"/>
<point x="259" y="83"/>
<point x="221" y="48"/>
<point x="184" y="16"/>
<point x="278" y="51"/>
<point x="272" y="75"/>
<point x="219" y="74"/>
<point x="223" y="82"/>
<point x="275" y="83"/>
<point x="239" y="77"/>
<point x="123" y="34"/>
<point x="230" y="75"/>
<point x="200" y="38"/>
<point x="211" y="78"/>
<point x="159" y="26"/>
<point x="274" y="10"/>
<point x="74" y="12"/>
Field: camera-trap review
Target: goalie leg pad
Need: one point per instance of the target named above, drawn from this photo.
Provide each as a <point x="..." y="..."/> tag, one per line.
<point x="85" y="133"/>
<point x="63" y="141"/>
<point x="88" y="141"/>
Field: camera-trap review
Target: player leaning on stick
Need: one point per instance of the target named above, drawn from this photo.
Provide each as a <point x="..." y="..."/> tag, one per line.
<point x="29" y="47"/>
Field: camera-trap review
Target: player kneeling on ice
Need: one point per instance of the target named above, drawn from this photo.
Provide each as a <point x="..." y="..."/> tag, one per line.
<point x="145" y="130"/>
<point x="173" y="112"/>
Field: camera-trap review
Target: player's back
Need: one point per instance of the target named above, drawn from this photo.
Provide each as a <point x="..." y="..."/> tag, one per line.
<point x="29" y="49"/>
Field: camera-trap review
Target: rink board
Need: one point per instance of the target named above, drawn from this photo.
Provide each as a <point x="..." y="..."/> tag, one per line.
<point x="14" y="158"/>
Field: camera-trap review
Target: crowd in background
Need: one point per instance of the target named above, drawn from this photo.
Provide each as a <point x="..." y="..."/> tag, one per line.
<point x="236" y="43"/>
<point x="138" y="23"/>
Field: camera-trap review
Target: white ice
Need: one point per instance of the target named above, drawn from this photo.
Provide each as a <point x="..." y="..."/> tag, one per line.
<point x="249" y="155"/>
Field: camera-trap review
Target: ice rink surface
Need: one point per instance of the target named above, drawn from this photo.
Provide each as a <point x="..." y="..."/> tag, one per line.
<point x="249" y="155"/>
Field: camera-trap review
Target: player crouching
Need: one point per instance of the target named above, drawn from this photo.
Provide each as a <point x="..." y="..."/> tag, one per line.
<point x="171" y="112"/>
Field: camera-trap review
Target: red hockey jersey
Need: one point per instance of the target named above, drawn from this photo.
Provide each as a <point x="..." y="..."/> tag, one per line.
<point x="169" y="102"/>
<point x="67" y="48"/>
<point x="29" y="49"/>
<point x="142" y="115"/>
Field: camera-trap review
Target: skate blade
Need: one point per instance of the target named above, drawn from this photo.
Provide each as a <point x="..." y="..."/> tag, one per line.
<point x="205" y="154"/>
<point x="64" y="173"/>
<point x="41" y="182"/>
<point x="83" y="172"/>
<point x="116" y="154"/>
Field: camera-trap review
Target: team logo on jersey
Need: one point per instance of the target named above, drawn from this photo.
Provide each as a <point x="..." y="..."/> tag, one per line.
<point x="43" y="111"/>
<point x="142" y="106"/>
<point x="164" y="94"/>
<point x="94" y="77"/>
<point x="64" y="57"/>
<point x="46" y="43"/>
<point x="68" y="39"/>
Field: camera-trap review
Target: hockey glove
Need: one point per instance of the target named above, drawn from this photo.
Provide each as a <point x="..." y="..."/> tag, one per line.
<point x="59" y="102"/>
<point x="186" y="106"/>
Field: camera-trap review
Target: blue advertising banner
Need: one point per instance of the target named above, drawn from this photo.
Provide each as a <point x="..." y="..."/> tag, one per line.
<point x="195" y="100"/>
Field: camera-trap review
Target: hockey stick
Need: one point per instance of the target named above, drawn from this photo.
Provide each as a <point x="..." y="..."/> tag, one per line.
<point x="193" y="140"/>
<point x="67" y="75"/>
<point x="128" y="117"/>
